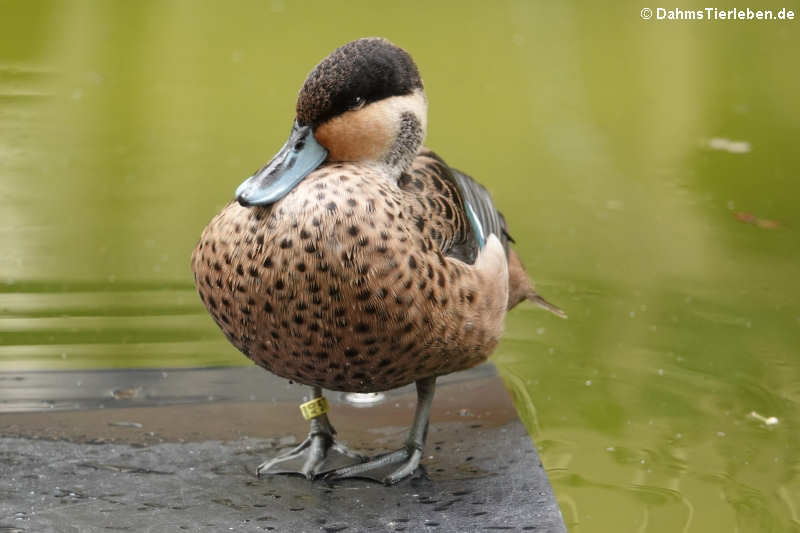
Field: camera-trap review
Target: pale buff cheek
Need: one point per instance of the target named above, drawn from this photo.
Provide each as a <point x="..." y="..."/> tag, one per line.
<point x="369" y="133"/>
<point x="365" y="134"/>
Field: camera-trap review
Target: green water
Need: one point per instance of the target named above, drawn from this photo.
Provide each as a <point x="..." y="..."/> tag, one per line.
<point x="649" y="171"/>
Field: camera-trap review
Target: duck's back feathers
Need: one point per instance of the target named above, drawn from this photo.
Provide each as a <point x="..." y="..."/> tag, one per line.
<point x="459" y="210"/>
<point x="459" y="216"/>
<point x="484" y="218"/>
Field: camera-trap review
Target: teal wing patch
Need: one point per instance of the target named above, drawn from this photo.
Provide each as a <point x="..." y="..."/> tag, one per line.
<point x="484" y="218"/>
<point x="476" y="218"/>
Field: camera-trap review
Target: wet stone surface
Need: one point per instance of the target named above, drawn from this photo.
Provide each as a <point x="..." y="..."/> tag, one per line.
<point x="482" y="472"/>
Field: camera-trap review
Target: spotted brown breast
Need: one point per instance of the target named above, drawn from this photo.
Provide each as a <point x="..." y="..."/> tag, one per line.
<point x="346" y="282"/>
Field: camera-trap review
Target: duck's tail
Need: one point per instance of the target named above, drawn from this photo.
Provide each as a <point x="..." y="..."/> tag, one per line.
<point x="520" y="287"/>
<point x="534" y="297"/>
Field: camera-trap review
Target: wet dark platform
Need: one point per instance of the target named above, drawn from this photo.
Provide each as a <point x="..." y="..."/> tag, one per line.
<point x="128" y="451"/>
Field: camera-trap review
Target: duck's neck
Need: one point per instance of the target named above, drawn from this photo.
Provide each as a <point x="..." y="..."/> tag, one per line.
<point x="408" y="116"/>
<point x="406" y="145"/>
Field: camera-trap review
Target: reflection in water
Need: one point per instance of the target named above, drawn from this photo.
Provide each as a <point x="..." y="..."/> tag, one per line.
<point x="648" y="171"/>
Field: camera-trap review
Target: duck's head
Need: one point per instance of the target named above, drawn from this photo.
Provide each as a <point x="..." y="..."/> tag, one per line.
<point x="363" y="103"/>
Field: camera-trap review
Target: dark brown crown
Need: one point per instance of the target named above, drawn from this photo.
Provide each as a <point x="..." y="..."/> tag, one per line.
<point x="358" y="73"/>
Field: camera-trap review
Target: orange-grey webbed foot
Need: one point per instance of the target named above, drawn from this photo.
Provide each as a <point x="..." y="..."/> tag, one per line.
<point x="319" y="453"/>
<point x="407" y="457"/>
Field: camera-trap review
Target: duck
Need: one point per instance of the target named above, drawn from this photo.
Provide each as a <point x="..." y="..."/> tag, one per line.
<point x="358" y="260"/>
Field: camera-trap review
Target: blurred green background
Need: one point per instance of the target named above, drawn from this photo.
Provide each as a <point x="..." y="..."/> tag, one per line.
<point x="648" y="169"/>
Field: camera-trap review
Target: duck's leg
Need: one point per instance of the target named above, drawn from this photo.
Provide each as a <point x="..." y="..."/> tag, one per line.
<point x="409" y="456"/>
<point x="317" y="454"/>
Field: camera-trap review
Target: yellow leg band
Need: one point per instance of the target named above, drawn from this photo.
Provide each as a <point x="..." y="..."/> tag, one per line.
<point x="314" y="408"/>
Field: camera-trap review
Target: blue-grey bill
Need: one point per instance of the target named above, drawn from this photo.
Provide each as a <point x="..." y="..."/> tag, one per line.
<point x="300" y="156"/>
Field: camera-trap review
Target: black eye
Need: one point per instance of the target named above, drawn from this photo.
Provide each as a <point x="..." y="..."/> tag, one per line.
<point x="299" y="145"/>
<point x="357" y="102"/>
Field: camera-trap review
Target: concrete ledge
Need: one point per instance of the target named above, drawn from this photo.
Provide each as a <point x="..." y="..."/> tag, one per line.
<point x="171" y="466"/>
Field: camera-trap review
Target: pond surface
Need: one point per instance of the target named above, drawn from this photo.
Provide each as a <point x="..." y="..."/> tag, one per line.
<point x="649" y="170"/>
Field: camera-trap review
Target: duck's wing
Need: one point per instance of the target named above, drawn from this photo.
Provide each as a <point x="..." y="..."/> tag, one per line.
<point x="481" y="213"/>
<point x="486" y="220"/>
<point x="458" y="212"/>
<point x="467" y="220"/>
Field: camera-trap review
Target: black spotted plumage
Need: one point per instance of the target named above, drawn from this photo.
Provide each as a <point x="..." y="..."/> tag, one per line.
<point x="385" y="255"/>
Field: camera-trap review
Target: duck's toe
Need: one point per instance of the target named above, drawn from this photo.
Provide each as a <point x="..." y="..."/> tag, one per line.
<point x="319" y="453"/>
<point x="383" y="468"/>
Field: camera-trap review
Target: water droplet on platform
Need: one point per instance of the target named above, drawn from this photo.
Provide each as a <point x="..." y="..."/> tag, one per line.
<point x="364" y="399"/>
